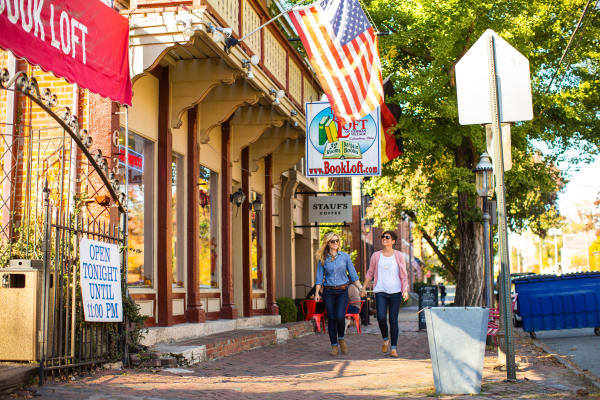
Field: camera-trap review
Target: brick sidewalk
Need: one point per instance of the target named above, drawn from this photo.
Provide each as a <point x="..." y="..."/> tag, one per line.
<point x="301" y="369"/>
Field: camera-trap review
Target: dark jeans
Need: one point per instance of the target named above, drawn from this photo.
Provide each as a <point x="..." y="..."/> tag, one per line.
<point x="335" y="304"/>
<point x="388" y="303"/>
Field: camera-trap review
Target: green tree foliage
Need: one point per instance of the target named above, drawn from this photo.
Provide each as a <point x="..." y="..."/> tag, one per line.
<point x="433" y="179"/>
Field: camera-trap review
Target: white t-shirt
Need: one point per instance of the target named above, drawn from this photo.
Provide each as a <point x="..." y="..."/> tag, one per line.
<point x="388" y="279"/>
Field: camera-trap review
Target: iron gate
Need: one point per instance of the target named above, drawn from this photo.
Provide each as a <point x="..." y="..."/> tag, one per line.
<point x="69" y="342"/>
<point x="54" y="191"/>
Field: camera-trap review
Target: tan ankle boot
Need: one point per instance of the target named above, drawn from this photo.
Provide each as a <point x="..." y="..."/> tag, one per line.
<point x="385" y="346"/>
<point x="334" y="351"/>
<point x="343" y="346"/>
<point x="394" y="353"/>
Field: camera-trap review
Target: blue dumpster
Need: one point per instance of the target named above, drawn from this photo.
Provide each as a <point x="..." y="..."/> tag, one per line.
<point x="549" y="302"/>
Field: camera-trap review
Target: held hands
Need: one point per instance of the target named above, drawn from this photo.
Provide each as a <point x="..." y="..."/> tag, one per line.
<point x="363" y="292"/>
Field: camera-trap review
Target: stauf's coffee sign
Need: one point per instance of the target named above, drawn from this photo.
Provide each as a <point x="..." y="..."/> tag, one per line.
<point x="330" y="209"/>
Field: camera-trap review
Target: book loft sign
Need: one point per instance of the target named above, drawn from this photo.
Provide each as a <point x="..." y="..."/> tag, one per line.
<point x="100" y="278"/>
<point x="333" y="149"/>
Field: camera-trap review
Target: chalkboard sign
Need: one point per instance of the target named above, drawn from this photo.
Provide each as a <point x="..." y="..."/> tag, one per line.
<point x="428" y="297"/>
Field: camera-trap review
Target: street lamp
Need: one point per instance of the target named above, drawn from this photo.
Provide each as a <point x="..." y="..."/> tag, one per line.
<point x="484" y="183"/>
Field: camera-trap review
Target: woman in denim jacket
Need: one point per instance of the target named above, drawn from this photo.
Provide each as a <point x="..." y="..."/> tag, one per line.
<point x="387" y="270"/>
<point x="335" y="272"/>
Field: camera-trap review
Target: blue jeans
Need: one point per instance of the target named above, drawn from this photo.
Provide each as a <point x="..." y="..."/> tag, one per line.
<point x="385" y="303"/>
<point x="335" y="301"/>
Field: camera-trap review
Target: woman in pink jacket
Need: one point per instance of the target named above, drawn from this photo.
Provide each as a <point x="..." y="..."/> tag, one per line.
<point x="387" y="270"/>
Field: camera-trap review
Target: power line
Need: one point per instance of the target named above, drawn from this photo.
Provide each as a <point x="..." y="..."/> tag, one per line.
<point x="579" y="24"/>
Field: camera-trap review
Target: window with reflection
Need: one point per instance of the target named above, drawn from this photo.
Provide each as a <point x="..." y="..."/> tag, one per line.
<point x="140" y="189"/>
<point x="256" y="248"/>
<point x="177" y="209"/>
<point x="208" y="228"/>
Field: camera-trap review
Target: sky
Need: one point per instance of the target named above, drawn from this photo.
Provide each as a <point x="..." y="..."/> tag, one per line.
<point x="584" y="182"/>
<point x="583" y="186"/>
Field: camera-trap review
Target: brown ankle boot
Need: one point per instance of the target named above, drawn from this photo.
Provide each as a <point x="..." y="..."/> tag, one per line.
<point x="394" y="353"/>
<point x="334" y="351"/>
<point x="343" y="346"/>
<point x="385" y="346"/>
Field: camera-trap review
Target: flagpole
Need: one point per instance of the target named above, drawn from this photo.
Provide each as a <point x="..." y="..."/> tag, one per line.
<point x="231" y="41"/>
<point x="263" y="25"/>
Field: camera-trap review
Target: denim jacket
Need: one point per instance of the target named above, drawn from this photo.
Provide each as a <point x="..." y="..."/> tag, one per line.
<point x="335" y="272"/>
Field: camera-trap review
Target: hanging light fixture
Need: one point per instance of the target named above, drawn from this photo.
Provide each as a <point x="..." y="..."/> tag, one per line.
<point x="248" y="65"/>
<point x="277" y="94"/>
<point x="238" y="197"/>
<point x="257" y="205"/>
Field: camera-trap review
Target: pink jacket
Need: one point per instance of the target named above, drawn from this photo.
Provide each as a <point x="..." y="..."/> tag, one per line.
<point x="372" y="272"/>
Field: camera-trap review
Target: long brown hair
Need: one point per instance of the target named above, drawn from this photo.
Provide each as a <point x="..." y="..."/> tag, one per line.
<point x="323" y="250"/>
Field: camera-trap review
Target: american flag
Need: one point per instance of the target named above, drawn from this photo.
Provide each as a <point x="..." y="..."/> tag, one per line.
<point x="343" y="50"/>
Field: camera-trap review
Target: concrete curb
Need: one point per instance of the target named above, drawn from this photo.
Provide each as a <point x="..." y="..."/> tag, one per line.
<point x="588" y="376"/>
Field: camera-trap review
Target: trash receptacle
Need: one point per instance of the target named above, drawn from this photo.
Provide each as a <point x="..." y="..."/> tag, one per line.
<point x="549" y="302"/>
<point x="457" y="347"/>
<point x="20" y="307"/>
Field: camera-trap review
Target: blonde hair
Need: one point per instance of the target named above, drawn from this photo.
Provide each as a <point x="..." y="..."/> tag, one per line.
<point x="324" y="248"/>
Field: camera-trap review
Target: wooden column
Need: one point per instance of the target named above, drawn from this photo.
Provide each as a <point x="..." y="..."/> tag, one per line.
<point x="164" y="248"/>
<point x="272" y="308"/>
<point x="247" y="306"/>
<point x="194" y="311"/>
<point x="228" y="309"/>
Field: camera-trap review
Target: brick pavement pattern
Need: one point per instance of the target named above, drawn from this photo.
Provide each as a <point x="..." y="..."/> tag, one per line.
<point x="302" y="369"/>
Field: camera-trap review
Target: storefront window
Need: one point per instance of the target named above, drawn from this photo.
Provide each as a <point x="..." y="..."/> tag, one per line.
<point x="177" y="181"/>
<point x="256" y="249"/>
<point x="140" y="173"/>
<point x="208" y="224"/>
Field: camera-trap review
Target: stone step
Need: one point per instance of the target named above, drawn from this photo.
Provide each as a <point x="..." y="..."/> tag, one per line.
<point x="211" y="347"/>
<point x="14" y="376"/>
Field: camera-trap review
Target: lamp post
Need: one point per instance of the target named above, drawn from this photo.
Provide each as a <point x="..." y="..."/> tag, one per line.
<point x="556" y="232"/>
<point x="484" y="182"/>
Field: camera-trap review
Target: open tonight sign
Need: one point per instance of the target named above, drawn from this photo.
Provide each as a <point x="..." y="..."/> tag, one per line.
<point x="100" y="278"/>
<point x="333" y="149"/>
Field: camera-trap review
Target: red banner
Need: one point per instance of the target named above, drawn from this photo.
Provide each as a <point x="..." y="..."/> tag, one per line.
<point x="85" y="42"/>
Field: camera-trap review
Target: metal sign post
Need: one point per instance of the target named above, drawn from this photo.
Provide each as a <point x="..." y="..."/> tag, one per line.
<point x="505" y="300"/>
<point x="493" y="85"/>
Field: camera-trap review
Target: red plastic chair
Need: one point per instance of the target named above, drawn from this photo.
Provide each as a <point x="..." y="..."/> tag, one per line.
<point x="494" y="321"/>
<point x="493" y="324"/>
<point x="355" y="316"/>
<point x="309" y="309"/>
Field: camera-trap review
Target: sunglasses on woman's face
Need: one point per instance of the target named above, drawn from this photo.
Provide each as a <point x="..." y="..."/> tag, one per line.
<point x="334" y="241"/>
<point x="388" y="237"/>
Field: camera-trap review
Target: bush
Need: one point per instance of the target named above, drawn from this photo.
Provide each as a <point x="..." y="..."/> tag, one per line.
<point x="287" y="309"/>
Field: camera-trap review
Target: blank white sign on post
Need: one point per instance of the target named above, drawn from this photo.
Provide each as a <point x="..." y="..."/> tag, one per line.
<point x="506" y="143"/>
<point x="473" y="83"/>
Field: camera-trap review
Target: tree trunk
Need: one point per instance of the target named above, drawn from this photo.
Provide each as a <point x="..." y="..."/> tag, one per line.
<point x="470" y="281"/>
<point x="469" y="285"/>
